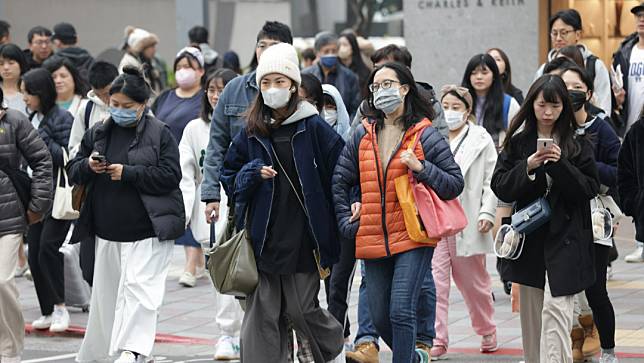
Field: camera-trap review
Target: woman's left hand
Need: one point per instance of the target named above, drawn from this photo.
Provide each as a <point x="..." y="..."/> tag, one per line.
<point x="553" y="153"/>
<point x="115" y="171"/>
<point x="484" y="226"/>
<point x="409" y="158"/>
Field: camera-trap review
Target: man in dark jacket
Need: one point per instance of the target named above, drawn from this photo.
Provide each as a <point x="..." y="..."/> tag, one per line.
<point x="394" y="53"/>
<point x="18" y="139"/>
<point x="329" y="70"/>
<point x="630" y="58"/>
<point x="233" y="102"/>
<point x="39" y="47"/>
<point x="66" y="41"/>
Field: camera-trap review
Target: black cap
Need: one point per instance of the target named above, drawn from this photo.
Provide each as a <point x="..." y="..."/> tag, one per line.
<point x="638" y="8"/>
<point x="64" y="32"/>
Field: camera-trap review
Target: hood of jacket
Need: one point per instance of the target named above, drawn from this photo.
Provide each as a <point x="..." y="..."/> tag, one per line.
<point x="209" y="54"/>
<point x="343" y="116"/>
<point x="304" y="110"/>
<point x="77" y="54"/>
<point x="585" y="52"/>
<point x="91" y="95"/>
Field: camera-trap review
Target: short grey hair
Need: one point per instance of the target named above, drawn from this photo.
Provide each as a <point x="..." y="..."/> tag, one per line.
<point x="324" y="38"/>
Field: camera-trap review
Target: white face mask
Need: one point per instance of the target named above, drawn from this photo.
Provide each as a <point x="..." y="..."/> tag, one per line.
<point x="276" y="97"/>
<point x="330" y="116"/>
<point x="454" y="119"/>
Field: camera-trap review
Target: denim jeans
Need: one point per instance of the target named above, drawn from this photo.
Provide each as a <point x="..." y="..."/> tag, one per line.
<point x="366" y="330"/>
<point x="393" y="292"/>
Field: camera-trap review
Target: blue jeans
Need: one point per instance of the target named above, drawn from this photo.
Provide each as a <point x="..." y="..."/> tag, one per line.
<point x="366" y="330"/>
<point x="426" y="314"/>
<point x="394" y="295"/>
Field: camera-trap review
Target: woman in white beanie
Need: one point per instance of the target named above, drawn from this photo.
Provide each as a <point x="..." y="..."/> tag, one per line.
<point x="140" y="49"/>
<point x="278" y="169"/>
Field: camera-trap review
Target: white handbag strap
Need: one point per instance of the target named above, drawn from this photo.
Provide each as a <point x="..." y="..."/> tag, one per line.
<point x="62" y="169"/>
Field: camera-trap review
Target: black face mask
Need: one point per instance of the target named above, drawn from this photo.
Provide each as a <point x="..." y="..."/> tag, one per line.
<point x="578" y="99"/>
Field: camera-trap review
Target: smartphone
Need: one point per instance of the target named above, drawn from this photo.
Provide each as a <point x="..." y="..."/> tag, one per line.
<point x="99" y="158"/>
<point x="543" y="144"/>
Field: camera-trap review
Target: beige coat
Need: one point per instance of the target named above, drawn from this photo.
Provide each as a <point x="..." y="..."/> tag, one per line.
<point x="477" y="159"/>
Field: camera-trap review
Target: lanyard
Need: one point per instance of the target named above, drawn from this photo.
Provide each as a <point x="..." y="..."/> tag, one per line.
<point x="461" y="142"/>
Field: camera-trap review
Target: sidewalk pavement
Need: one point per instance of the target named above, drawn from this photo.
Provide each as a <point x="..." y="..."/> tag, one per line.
<point x="186" y="320"/>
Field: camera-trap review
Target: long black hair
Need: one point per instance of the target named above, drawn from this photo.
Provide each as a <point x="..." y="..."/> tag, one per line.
<point x="55" y="63"/>
<point x="493" y="111"/>
<point x="506" y="77"/>
<point x="226" y="75"/>
<point x="416" y="109"/>
<point x="357" y="64"/>
<point x="554" y="90"/>
<point x="38" y="82"/>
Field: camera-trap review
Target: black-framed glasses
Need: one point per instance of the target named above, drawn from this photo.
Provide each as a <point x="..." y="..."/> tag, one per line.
<point x="386" y="84"/>
<point x="563" y="33"/>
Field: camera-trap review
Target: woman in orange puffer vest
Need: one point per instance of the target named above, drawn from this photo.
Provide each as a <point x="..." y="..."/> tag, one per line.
<point x="374" y="156"/>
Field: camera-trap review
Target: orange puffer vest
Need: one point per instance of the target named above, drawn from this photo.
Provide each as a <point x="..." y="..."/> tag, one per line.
<point x="383" y="235"/>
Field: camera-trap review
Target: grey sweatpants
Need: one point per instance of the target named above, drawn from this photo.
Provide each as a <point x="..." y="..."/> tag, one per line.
<point x="264" y="329"/>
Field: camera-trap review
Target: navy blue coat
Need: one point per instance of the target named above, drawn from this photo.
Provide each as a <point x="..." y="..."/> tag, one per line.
<point x="316" y="148"/>
<point x="54" y="129"/>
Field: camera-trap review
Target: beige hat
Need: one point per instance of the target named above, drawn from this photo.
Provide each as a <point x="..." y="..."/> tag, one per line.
<point x="138" y="39"/>
<point x="280" y="58"/>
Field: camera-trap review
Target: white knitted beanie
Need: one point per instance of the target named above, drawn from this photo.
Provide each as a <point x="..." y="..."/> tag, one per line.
<point x="280" y="58"/>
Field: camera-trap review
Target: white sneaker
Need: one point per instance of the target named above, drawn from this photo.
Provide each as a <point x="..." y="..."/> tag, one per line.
<point x="636" y="256"/>
<point x="227" y="348"/>
<point x="15" y="359"/>
<point x="59" y="320"/>
<point x="188" y="279"/>
<point x="200" y="273"/>
<point x="28" y="275"/>
<point x="126" y="357"/>
<point x="44" y="322"/>
<point x="605" y="358"/>
<point x="20" y="272"/>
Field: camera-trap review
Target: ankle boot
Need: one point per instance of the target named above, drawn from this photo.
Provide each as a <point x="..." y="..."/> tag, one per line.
<point x="577" y="336"/>
<point x="591" y="337"/>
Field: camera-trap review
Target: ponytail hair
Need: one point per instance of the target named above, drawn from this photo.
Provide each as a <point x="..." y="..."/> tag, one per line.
<point x="132" y="84"/>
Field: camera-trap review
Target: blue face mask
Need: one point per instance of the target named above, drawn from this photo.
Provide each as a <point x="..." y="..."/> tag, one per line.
<point x="123" y="117"/>
<point x="329" y="61"/>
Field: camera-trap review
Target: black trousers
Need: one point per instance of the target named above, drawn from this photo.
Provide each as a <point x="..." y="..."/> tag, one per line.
<point x="599" y="302"/>
<point x="338" y="285"/>
<point x="46" y="262"/>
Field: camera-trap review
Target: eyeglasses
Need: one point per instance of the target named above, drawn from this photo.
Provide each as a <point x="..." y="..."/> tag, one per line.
<point x="40" y="43"/>
<point x="386" y="84"/>
<point x="563" y="33"/>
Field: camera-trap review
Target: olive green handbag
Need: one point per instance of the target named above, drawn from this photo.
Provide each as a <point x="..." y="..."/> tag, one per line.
<point x="231" y="261"/>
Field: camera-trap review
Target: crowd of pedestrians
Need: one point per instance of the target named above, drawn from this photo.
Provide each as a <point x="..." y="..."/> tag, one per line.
<point x="329" y="159"/>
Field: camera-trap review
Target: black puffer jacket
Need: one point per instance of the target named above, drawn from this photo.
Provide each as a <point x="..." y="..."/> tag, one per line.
<point x="153" y="168"/>
<point x="54" y="129"/>
<point x="19" y="139"/>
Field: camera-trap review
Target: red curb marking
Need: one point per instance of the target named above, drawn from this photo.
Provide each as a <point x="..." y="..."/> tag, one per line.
<point x="78" y="331"/>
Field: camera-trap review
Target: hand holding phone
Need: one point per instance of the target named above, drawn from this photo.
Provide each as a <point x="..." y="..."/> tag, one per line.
<point x="544" y="144"/>
<point x="97" y="163"/>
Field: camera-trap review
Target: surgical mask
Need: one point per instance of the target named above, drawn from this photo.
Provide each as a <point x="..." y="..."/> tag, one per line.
<point x="276" y="98"/>
<point x="344" y="52"/>
<point x="124" y="117"/>
<point x="329" y="61"/>
<point x="330" y="116"/>
<point x="454" y="119"/>
<point x="578" y="99"/>
<point x="186" y="77"/>
<point x="387" y="100"/>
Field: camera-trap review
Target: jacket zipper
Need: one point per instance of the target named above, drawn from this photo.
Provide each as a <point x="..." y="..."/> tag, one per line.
<point x="317" y="244"/>
<point x="270" y="208"/>
<point x="380" y="186"/>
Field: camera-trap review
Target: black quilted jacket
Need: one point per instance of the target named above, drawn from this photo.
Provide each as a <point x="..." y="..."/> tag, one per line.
<point x="18" y="140"/>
